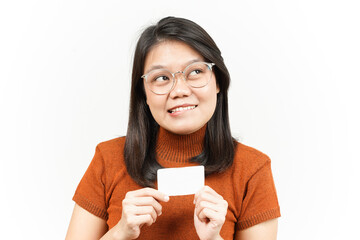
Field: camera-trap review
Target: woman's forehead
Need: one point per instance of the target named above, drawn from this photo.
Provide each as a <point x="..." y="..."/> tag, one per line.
<point x="171" y="54"/>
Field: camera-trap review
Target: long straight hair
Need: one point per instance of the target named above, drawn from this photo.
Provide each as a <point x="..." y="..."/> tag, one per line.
<point x="139" y="151"/>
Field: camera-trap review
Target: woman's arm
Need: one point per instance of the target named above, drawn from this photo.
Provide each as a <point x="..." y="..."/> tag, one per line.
<point x="84" y="225"/>
<point x="262" y="231"/>
<point x="139" y="207"/>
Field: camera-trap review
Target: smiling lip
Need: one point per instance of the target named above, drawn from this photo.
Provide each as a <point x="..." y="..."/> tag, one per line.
<point x="182" y="108"/>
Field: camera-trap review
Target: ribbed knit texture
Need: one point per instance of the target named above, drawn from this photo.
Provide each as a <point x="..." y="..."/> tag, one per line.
<point x="82" y="201"/>
<point x="247" y="186"/>
<point x="179" y="148"/>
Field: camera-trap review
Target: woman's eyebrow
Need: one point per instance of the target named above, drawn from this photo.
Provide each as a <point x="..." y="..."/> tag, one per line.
<point x="155" y="67"/>
<point x="164" y="67"/>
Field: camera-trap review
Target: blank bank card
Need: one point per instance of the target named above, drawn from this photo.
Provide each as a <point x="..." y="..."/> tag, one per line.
<point x="180" y="181"/>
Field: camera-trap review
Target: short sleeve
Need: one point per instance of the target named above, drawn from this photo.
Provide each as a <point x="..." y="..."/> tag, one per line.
<point x="260" y="202"/>
<point x="90" y="193"/>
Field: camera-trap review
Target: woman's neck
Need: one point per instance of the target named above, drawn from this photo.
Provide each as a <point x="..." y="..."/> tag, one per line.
<point x="174" y="148"/>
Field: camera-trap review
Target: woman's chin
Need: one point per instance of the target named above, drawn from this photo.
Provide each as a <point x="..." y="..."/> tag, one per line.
<point x="183" y="130"/>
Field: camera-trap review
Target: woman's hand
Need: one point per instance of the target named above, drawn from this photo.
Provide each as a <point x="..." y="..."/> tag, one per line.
<point x="138" y="208"/>
<point x="209" y="214"/>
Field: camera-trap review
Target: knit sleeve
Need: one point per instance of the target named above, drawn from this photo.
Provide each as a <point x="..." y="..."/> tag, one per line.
<point x="90" y="193"/>
<point x="260" y="202"/>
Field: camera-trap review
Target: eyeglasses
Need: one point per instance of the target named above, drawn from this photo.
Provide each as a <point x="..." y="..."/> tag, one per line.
<point x="162" y="81"/>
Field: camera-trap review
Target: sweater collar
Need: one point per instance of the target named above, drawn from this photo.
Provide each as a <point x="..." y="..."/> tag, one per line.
<point x="174" y="148"/>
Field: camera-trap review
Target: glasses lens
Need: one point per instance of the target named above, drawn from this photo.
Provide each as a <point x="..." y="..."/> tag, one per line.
<point x="198" y="74"/>
<point x="160" y="81"/>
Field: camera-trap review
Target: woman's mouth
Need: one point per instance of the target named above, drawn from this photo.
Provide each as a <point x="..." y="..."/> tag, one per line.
<point x="179" y="109"/>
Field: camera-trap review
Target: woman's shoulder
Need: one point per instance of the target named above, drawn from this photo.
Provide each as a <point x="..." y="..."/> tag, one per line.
<point x="112" y="143"/>
<point x="249" y="158"/>
<point x="112" y="148"/>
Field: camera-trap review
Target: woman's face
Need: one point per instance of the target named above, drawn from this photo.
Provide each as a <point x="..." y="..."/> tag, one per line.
<point x="198" y="104"/>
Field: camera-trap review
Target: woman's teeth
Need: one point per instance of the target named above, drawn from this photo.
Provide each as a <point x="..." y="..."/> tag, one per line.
<point x="181" y="109"/>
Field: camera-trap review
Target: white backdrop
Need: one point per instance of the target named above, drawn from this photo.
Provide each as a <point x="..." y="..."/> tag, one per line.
<point x="65" y="74"/>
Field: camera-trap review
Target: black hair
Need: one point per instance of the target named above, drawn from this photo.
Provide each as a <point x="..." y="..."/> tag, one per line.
<point x="139" y="150"/>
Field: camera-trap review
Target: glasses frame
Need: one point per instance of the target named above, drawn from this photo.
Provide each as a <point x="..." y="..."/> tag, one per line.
<point x="209" y="65"/>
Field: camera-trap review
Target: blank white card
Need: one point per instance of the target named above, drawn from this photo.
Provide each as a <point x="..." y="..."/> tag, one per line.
<point x="180" y="181"/>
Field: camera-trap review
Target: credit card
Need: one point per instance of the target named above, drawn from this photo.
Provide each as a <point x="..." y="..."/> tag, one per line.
<point x="180" y="181"/>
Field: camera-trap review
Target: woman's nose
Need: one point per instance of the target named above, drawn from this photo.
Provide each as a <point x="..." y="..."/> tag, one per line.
<point x="181" y="89"/>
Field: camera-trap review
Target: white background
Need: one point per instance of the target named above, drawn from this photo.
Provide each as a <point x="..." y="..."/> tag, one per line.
<point x="65" y="73"/>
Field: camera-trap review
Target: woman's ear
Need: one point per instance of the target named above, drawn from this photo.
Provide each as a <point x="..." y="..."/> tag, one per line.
<point x="217" y="88"/>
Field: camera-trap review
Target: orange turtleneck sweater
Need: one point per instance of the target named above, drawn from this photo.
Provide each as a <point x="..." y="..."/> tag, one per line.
<point x="247" y="186"/>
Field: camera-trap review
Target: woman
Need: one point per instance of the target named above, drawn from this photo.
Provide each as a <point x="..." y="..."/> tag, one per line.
<point x="178" y="117"/>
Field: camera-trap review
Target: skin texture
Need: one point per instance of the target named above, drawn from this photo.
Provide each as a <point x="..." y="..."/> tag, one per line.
<point x="140" y="207"/>
<point x="84" y="225"/>
<point x="175" y="56"/>
<point x="209" y="214"/>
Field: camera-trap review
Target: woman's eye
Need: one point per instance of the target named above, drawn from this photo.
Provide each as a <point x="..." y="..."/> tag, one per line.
<point x="161" y="79"/>
<point x="195" y="72"/>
